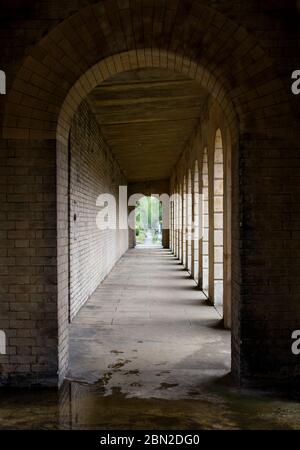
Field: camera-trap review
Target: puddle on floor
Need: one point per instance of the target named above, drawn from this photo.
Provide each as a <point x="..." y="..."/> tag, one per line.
<point x="88" y="406"/>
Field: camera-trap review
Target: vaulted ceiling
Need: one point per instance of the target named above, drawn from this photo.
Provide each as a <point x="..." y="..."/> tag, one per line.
<point x="147" y="117"/>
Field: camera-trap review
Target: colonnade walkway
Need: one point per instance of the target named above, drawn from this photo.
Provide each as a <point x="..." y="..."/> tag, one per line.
<point x="148" y="331"/>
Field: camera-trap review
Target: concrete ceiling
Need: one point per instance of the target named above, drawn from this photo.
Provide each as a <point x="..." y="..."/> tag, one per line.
<point x="146" y="117"/>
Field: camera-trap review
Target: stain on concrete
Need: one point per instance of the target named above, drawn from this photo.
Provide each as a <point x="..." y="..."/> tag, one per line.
<point x="105" y="379"/>
<point x="119" y="364"/>
<point x="167" y="385"/>
<point x="132" y="372"/>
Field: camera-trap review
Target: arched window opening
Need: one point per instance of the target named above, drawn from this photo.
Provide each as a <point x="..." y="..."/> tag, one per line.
<point x="189" y="223"/>
<point x="196" y="227"/>
<point x="180" y="203"/>
<point x="218" y="221"/>
<point x="184" y="222"/>
<point x="205" y="225"/>
<point x="172" y="225"/>
<point x="177" y="224"/>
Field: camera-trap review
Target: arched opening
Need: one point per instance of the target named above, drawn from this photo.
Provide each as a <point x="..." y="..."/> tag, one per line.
<point x="148" y="222"/>
<point x="189" y="219"/>
<point x="196" y="224"/>
<point x="187" y="205"/>
<point x="218" y="220"/>
<point x="171" y="224"/>
<point x="227" y="301"/>
<point x="176" y="222"/>
<point x="205" y="225"/>
<point x="180" y="227"/>
<point x="184" y="222"/>
<point x="181" y="240"/>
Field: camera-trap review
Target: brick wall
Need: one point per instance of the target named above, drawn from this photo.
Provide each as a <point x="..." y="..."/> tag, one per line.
<point x="28" y="288"/>
<point x="93" y="171"/>
<point x="32" y="261"/>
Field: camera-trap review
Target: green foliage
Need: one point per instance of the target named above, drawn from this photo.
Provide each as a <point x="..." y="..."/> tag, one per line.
<point x="148" y="216"/>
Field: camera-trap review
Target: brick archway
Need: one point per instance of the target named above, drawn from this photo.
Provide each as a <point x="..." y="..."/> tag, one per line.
<point x="93" y="45"/>
<point x="102" y="71"/>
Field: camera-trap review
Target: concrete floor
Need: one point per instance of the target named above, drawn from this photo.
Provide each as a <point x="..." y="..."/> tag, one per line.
<point x="149" y="331"/>
<point x="147" y="352"/>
